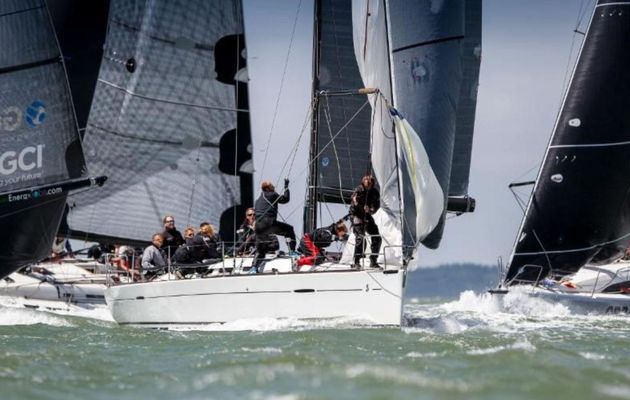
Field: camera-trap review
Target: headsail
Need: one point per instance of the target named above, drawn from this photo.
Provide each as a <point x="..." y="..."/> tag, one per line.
<point x="579" y="210"/>
<point x="169" y="122"/>
<point x="427" y="51"/>
<point x="41" y="151"/>
<point x="418" y="68"/>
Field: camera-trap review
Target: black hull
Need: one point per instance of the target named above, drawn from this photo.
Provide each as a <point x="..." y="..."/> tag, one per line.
<point x="29" y="229"/>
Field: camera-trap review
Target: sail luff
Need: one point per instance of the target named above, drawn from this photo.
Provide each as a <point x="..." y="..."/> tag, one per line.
<point x="579" y="210"/>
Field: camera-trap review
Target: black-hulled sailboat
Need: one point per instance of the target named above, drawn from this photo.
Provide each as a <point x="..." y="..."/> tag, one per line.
<point x="41" y="159"/>
<point x="576" y="226"/>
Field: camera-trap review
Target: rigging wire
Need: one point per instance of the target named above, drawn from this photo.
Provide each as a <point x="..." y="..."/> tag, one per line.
<point x="328" y="123"/>
<point x="284" y="72"/>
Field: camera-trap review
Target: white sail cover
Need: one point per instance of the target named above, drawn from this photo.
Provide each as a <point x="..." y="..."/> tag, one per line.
<point x="408" y="185"/>
<point x="164" y="103"/>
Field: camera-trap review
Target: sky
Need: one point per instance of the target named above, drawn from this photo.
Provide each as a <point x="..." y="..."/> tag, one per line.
<point x="528" y="53"/>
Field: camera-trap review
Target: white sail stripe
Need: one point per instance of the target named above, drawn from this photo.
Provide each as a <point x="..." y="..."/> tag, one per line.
<point x="562" y="146"/>
<point x="171" y="101"/>
<point x="573" y="250"/>
<point x="617" y="3"/>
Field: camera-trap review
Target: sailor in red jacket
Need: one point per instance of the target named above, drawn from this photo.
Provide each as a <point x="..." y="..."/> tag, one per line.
<point x="312" y="244"/>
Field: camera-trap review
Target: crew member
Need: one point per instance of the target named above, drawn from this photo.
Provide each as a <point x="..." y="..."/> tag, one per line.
<point x="365" y="201"/>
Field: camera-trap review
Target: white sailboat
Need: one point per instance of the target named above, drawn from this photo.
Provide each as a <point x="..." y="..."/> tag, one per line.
<point x="145" y="47"/>
<point x="576" y="229"/>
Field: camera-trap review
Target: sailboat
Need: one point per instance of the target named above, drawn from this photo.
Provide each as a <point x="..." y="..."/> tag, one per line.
<point x="172" y="133"/>
<point x="41" y="160"/>
<point x="576" y="227"/>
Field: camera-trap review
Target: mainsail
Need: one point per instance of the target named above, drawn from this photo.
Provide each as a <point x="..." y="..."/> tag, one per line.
<point x="41" y="152"/>
<point x="579" y="209"/>
<point x="169" y="122"/>
<point x="341" y="122"/>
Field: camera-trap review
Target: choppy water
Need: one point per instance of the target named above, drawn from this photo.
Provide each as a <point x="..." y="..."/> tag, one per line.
<point x="474" y="347"/>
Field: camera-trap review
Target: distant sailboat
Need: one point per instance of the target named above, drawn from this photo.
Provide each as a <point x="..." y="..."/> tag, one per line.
<point x="577" y="221"/>
<point x="41" y="159"/>
<point x="134" y="106"/>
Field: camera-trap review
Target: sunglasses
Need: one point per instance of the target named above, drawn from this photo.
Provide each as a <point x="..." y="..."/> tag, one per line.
<point x="249" y="215"/>
<point x="170" y="222"/>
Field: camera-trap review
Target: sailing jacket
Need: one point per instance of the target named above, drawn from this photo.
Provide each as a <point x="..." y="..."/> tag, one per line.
<point x="172" y="240"/>
<point x="312" y="245"/>
<point x="365" y="197"/>
<point x="266" y="206"/>
<point x="152" y="258"/>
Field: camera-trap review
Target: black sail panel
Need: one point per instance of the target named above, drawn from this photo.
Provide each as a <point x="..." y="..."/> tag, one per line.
<point x="343" y="141"/>
<point x="579" y="211"/>
<point x="169" y="122"/>
<point x="38" y="133"/>
<point x="467" y="103"/>
<point x="426" y="42"/>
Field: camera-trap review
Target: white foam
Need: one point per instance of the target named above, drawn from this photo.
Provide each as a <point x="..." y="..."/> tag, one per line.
<point x="523" y="345"/>
<point x="592" y="356"/>
<point x="17" y="316"/>
<point x="274" y="324"/>
<point x="617" y="391"/>
<point x="404" y="376"/>
<point x="44" y="307"/>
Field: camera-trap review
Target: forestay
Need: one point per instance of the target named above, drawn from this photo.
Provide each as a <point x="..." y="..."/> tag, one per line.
<point x="169" y="122"/>
<point x="579" y="210"/>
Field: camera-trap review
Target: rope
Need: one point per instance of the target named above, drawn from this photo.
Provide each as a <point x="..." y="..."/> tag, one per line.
<point x="284" y="71"/>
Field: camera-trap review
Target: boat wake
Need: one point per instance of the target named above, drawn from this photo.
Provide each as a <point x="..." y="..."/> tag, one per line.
<point x="28" y="312"/>
<point x="510" y="313"/>
<point x="272" y="324"/>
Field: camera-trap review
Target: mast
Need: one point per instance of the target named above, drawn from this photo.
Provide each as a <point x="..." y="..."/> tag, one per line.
<point x="310" y="211"/>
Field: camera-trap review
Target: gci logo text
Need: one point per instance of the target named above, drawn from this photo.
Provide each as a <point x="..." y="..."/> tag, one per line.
<point x="25" y="160"/>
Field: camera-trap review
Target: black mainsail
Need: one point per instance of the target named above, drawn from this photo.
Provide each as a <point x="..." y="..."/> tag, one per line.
<point x="341" y="120"/>
<point x="169" y="122"/>
<point x="579" y="209"/>
<point x="41" y="155"/>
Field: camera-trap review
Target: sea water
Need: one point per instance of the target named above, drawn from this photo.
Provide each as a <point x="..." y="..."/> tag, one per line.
<point x="474" y="346"/>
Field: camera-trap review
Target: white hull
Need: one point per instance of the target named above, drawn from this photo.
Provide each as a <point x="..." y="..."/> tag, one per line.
<point x="593" y="289"/>
<point x="67" y="284"/>
<point x="586" y="303"/>
<point x="373" y="296"/>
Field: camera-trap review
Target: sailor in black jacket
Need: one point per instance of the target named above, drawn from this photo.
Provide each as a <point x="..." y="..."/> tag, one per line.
<point x="365" y="201"/>
<point x="266" y="210"/>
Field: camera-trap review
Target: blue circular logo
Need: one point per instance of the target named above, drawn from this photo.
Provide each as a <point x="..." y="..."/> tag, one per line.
<point x="36" y="194"/>
<point x="35" y="113"/>
<point x="325" y="161"/>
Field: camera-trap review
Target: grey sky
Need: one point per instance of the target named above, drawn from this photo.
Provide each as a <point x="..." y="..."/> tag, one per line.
<point x="525" y="59"/>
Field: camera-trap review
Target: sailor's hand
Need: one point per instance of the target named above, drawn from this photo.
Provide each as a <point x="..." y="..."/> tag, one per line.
<point x="286" y="183"/>
<point x="367" y="209"/>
